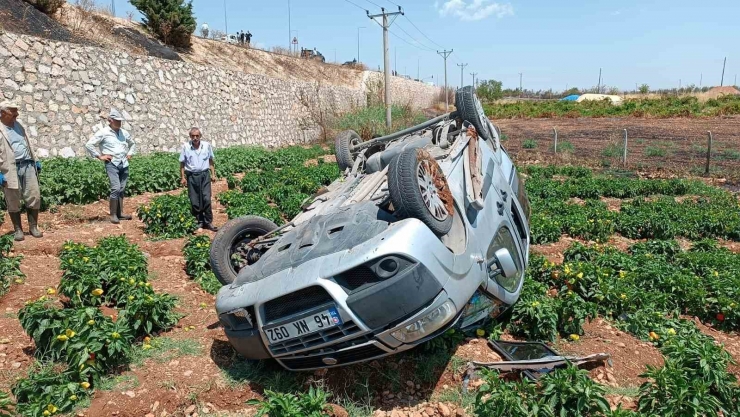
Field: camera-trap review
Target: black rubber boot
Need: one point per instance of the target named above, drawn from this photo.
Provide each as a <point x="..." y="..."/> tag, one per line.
<point x="33" y="221"/>
<point x="16" y="219"/>
<point x="122" y="216"/>
<point x="114" y="211"/>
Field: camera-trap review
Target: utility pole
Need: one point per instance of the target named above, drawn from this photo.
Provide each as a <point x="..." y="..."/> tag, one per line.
<point x="474" y="74"/>
<point x="462" y="67"/>
<point x="598" y="87"/>
<point x="395" y="59"/>
<point x="722" y="81"/>
<point x="520" y="85"/>
<point x="701" y="77"/>
<point x="418" y="77"/>
<point x="444" y="54"/>
<point x="386" y="62"/>
<point x="226" y="22"/>
<point x="358" y="43"/>
<point x="113" y="7"/>
<point x="289" y="31"/>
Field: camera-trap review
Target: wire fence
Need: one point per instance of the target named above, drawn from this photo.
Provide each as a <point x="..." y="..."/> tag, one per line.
<point x="679" y="145"/>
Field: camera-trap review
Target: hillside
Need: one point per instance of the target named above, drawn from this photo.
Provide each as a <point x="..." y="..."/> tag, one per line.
<point x="93" y="26"/>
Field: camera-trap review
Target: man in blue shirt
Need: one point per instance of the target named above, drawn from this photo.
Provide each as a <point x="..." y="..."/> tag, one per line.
<point x="197" y="170"/>
<point x="113" y="145"/>
<point x="18" y="171"/>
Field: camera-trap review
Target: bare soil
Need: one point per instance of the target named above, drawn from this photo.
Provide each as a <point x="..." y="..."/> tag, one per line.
<point x="211" y="380"/>
<point x="674" y="146"/>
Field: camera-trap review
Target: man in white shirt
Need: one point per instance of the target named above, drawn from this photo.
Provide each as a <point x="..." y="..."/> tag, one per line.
<point x="19" y="171"/>
<point x="113" y="145"/>
<point x="197" y="170"/>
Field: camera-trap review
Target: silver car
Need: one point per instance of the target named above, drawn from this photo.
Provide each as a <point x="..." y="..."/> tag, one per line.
<point x="426" y="229"/>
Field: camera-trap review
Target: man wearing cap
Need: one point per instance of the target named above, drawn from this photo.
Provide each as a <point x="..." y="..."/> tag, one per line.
<point x="113" y="145"/>
<point x="18" y="171"/>
<point x="197" y="170"/>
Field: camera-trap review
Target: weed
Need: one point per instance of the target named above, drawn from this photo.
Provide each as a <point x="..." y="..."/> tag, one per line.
<point x="370" y="121"/>
<point x="529" y="144"/>
<point x="165" y="349"/>
<point x="613" y="151"/>
<point x="118" y="383"/>
<point x="267" y="375"/>
<point x="730" y="155"/>
<point x="654" y="151"/>
<point x="565" y="146"/>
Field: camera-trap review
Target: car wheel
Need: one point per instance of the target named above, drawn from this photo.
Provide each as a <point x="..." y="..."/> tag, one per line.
<point x="229" y="251"/>
<point x="342" y="145"/>
<point x="470" y="109"/>
<point x="419" y="190"/>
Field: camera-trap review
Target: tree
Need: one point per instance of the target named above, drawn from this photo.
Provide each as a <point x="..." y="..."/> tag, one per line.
<point x="171" y="20"/>
<point x="644" y="89"/>
<point x="489" y="90"/>
<point x="47" y="6"/>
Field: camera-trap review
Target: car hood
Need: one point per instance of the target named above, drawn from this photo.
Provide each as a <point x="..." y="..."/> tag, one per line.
<point x="342" y="229"/>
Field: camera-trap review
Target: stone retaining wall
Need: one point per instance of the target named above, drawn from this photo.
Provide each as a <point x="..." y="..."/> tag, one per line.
<point x="63" y="88"/>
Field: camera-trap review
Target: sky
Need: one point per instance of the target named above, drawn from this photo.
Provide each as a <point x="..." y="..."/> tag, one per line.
<point x="554" y="44"/>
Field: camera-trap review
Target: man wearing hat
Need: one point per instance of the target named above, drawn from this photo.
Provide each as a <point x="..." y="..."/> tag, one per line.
<point x="18" y="171"/>
<point x="113" y="145"/>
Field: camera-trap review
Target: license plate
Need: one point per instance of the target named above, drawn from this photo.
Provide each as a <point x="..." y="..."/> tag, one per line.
<point x="302" y="327"/>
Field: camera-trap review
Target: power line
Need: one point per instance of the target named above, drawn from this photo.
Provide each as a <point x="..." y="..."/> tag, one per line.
<point x="375" y="4"/>
<point x="356" y="5"/>
<point x="393" y="3"/>
<point x="422" y="33"/>
<point x="415" y="46"/>
<point x="413" y="39"/>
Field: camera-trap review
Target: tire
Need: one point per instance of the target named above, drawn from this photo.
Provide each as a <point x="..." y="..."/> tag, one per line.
<point x="229" y="237"/>
<point x="406" y="191"/>
<point x="470" y="110"/>
<point x="342" y="144"/>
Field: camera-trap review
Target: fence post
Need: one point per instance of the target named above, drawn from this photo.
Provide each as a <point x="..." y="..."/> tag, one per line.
<point x="624" y="154"/>
<point x="709" y="153"/>
<point x="556" y="139"/>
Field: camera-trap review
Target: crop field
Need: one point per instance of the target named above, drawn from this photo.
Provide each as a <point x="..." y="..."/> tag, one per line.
<point x="659" y="147"/>
<point x="100" y="319"/>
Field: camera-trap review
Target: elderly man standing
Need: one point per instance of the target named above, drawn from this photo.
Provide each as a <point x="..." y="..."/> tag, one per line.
<point x="18" y="171"/>
<point x="197" y="170"/>
<point x="113" y="145"/>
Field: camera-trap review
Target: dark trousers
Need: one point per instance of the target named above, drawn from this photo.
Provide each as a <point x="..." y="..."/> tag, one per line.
<point x="117" y="177"/>
<point x="199" y="191"/>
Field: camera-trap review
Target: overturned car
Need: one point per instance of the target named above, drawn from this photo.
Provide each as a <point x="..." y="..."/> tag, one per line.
<point x="426" y="229"/>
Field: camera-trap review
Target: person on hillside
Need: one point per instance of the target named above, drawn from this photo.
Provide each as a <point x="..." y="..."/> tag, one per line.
<point x="248" y="38"/>
<point x="113" y="145"/>
<point x="241" y="38"/>
<point x="19" y="171"/>
<point x="197" y="171"/>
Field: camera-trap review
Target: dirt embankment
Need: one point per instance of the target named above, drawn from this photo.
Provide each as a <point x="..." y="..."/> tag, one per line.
<point x="95" y="27"/>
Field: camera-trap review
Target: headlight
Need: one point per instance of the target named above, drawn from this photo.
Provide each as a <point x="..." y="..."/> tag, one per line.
<point x="504" y="240"/>
<point x="427" y="324"/>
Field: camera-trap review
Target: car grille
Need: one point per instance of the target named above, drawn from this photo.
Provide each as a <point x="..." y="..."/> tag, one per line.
<point x="357" y="354"/>
<point x="296" y="302"/>
<point x="356" y="278"/>
<point x="319" y="338"/>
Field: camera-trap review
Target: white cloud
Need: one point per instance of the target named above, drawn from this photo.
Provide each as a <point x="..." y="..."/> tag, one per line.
<point x="474" y="9"/>
<point x="616" y="13"/>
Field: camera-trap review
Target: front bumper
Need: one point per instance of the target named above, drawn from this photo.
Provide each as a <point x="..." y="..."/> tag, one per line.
<point x="369" y="314"/>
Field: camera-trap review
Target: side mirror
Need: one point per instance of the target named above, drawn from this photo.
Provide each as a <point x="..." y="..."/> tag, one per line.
<point x="506" y="263"/>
